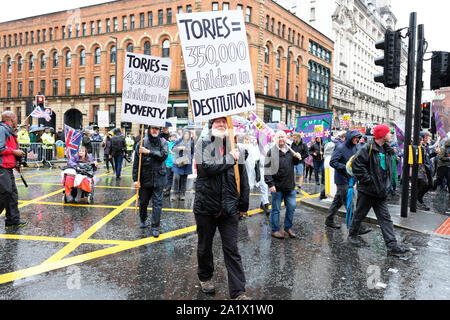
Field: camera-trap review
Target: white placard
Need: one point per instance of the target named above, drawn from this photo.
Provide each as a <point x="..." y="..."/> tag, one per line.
<point x="103" y="119"/>
<point x="216" y="57"/>
<point x="146" y="81"/>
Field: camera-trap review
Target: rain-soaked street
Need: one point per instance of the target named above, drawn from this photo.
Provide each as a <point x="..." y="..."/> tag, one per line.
<point x="98" y="251"/>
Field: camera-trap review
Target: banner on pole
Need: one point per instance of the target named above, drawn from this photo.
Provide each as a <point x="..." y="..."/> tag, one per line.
<point x="306" y="126"/>
<point x="103" y="119"/>
<point x="146" y="84"/>
<point x="345" y="120"/>
<point x="218" y="69"/>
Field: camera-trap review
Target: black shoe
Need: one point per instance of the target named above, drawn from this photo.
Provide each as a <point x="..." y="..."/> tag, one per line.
<point x="332" y="224"/>
<point x="20" y="224"/>
<point x="397" y="251"/>
<point x="354" y="240"/>
<point x="364" y="230"/>
<point x="423" y="206"/>
<point x="322" y="196"/>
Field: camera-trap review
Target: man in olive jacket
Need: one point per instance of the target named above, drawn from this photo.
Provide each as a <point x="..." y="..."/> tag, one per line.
<point x="218" y="204"/>
<point x="152" y="181"/>
<point x="372" y="166"/>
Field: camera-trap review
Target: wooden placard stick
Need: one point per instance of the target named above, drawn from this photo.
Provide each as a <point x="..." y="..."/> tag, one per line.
<point x="233" y="146"/>
<point x="139" y="169"/>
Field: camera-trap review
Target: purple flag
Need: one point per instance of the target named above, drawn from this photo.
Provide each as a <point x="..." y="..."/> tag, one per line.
<point x="438" y="122"/>
<point x="306" y="125"/>
<point x="400" y="137"/>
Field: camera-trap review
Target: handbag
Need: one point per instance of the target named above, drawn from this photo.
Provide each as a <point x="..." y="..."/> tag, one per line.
<point x="182" y="161"/>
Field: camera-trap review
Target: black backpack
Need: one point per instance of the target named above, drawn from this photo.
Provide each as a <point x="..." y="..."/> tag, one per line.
<point x="117" y="145"/>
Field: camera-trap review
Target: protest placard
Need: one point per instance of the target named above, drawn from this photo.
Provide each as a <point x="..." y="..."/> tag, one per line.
<point x="103" y="119"/>
<point x="218" y="70"/>
<point x="345" y="120"/>
<point x="146" y="84"/>
<point x="318" y="131"/>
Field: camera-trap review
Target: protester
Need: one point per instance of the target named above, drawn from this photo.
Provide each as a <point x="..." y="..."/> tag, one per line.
<point x="23" y="138"/>
<point x="118" y="148"/>
<point x="165" y="133"/>
<point x="130" y="143"/>
<point x="74" y="162"/>
<point x="152" y="177"/>
<point x="169" y="164"/>
<point x="60" y="136"/>
<point x="279" y="176"/>
<point x="425" y="174"/>
<point x="87" y="141"/>
<point x="47" y="144"/>
<point x="251" y="161"/>
<point x="96" y="139"/>
<point x="316" y="150"/>
<point x="395" y="161"/>
<point x="443" y="166"/>
<point x="309" y="166"/>
<point x="300" y="147"/>
<point x="9" y="155"/>
<point x="342" y="153"/>
<point x="372" y="167"/>
<point x="362" y="142"/>
<point x="107" y="152"/>
<point x="217" y="205"/>
<point x="183" y="150"/>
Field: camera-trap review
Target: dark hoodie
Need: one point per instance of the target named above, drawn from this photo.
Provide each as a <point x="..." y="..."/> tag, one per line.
<point x="341" y="155"/>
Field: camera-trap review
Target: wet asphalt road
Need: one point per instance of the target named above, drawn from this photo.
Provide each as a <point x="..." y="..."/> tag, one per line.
<point x="111" y="258"/>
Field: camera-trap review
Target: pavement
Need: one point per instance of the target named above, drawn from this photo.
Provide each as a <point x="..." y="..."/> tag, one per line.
<point x="428" y="222"/>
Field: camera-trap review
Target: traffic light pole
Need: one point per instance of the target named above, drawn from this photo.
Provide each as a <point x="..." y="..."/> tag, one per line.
<point x="409" y="111"/>
<point x="417" y="113"/>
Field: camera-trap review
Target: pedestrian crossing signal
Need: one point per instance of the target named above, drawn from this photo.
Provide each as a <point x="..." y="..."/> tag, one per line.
<point x="426" y="115"/>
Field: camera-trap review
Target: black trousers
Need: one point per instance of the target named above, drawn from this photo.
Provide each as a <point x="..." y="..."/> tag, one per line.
<point x="340" y="198"/>
<point x="9" y="200"/>
<point x="363" y="205"/>
<point x="443" y="172"/>
<point x="228" y="228"/>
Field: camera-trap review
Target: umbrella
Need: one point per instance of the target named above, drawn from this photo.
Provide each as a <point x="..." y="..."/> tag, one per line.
<point x="36" y="128"/>
<point x="168" y="124"/>
<point x="239" y="121"/>
<point x="349" y="204"/>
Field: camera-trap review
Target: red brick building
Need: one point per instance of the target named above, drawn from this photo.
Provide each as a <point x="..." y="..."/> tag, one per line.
<point x="70" y="57"/>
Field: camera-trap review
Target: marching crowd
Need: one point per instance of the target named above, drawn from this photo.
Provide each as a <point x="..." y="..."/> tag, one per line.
<point x="225" y="176"/>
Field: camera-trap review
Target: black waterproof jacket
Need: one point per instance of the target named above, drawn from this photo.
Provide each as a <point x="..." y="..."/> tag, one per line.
<point x="216" y="189"/>
<point x="372" y="179"/>
<point x="279" y="169"/>
<point x="153" y="169"/>
<point x="301" y="148"/>
<point x="341" y="154"/>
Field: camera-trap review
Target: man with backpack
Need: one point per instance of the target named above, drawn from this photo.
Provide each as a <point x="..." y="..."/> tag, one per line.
<point x="118" y="149"/>
<point x="372" y="167"/>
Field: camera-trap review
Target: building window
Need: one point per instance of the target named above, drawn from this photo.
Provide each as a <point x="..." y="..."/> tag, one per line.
<point x="19" y="114"/>
<point x="55" y="60"/>
<point x="239" y="7"/>
<point x="55" y="87"/>
<point x="44" y="36"/>
<point x="50" y="31"/>
<point x="147" y="48"/>
<point x="266" y="54"/>
<point x="96" y="85"/>
<point x="92" y="28"/>
<point x="282" y="30"/>
<point x="77" y="28"/>
<point x="296" y="93"/>
<point x="266" y="85"/>
<point x="278" y="58"/>
<point x="160" y="17"/>
<point x="278" y="28"/>
<point x="277" y="88"/>
<point x="225" y="6"/>
<point x="95" y="110"/>
<point x="70" y="31"/>
<point x="82" y="57"/>
<point x="272" y="22"/>
<point x="248" y="14"/>
<point x="166" y="48"/>
<point x="8" y="90"/>
<point x="188" y="8"/>
<point x="116" y="24"/>
<point x="63" y="33"/>
<point x="99" y="26"/>
<point x="84" y="28"/>
<point x="150" y="19"/>
<point x="20" y="64"/>
<point x="112" y="55"/>
<point x="112" y="84"/>
<point x="112" y="114"/>
<point x="19" y="89"/>
<point x="215" y="6"/>
<point x="38" y="37"/>
<point x="297" y="67"/>
<point x="169" y="15"/>
<point x="108" y="25"/>
<point x="124" y="23"/>
<point x="130" y="47"/>
<point x="82" y="86"/>
<point x="31" y="63"/>
<point x="132" y="22"/>
<point x="183" y="80"/>
<point x="267" y="22"/>
<point x="68" y="83"/>
<point x="142" y="20"/>
<point x="30" y="88"/>
<point x="97" y="56"/>
<point x="68" y="59"/>
<point x="43" y="61"/>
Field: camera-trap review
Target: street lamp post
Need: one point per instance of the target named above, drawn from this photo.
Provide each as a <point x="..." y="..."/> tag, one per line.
<point x="115" y="81"/>
<point x="287" y="83"/>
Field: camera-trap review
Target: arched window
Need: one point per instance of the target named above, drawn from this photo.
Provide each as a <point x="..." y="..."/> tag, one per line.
<point x="55" y="60"/>
<point x="297" y="67"/>
<point x="166" y="48"/>
<point x="8" y="63"/>
<point x="31" y="63"/>
<point x="68" y="59"/>
<point x="112" y="54"/>
<point x="82" y="57"/>
<point x="97" y="56"/>
<point x="43" y="61"/>
<point x="130" y="47"/>
<point x="266" y="54"/>
<point x="147" y="48"/>
<point x="20" y="64"/>
<point x="278" y="58"/>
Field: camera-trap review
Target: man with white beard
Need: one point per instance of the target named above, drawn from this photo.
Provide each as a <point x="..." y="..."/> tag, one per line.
<point x="218" y="205"/>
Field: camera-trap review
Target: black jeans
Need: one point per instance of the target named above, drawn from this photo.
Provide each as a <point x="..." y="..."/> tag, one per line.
<point x="109" y="160"/>
<point x="228" y="228"/>
<point x="156" y="194"/>
<point x="9" y="200"/>
<point x="363" y="205"/>
<point x="340" y="199"/>
<point x="443" y="172"/>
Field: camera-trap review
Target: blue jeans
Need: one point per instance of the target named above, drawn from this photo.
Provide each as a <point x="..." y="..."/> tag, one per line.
<point x="319" y="165"/>
<point x="290" y="203"/>
<point x="156" y="195"/>
<point x="118" y="160"/>
<point x="298" y="169"/>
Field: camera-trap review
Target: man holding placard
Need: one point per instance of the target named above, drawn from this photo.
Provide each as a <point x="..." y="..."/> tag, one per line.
<point x="219" y="75"/>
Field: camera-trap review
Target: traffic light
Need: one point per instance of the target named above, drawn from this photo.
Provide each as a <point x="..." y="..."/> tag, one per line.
<point x="440" y="73"/>
<point x="425" y="115"/>
<point x="392" y="47"/>
<point x="40" y="101"/>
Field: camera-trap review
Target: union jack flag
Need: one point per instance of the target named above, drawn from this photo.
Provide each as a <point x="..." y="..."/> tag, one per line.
<point x="38" y="112"/>
<point x="73" y="140"/>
